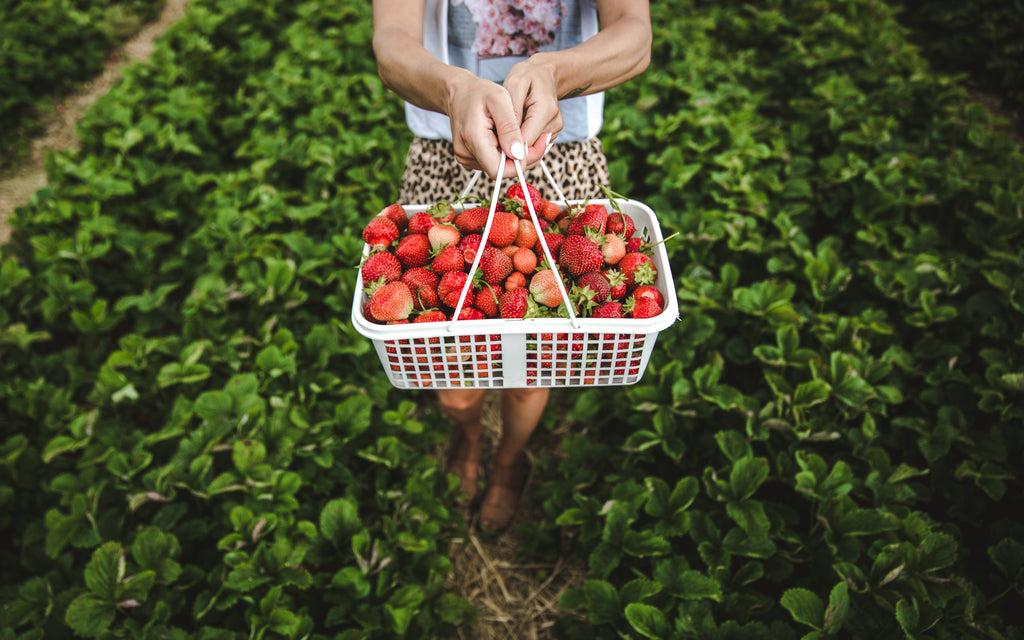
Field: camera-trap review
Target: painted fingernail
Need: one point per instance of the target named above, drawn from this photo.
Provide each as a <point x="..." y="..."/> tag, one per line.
<point x="517" y="151"/>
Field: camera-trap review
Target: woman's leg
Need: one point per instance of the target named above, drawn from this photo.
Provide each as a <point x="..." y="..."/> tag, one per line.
<point x="464" y="407"/>
<point x="521" y="410"/>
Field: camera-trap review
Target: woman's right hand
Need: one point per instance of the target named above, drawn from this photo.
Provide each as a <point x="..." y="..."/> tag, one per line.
<point x="484" y="122"/>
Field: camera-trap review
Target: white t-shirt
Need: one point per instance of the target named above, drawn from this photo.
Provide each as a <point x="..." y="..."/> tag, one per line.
<point x="489" y="36"/>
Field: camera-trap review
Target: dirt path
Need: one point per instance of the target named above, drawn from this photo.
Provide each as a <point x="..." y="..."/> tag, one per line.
<point x="17" y="189"/>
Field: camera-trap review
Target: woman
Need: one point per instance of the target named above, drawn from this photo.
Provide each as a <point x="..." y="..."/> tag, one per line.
<point x="523" y="77"/>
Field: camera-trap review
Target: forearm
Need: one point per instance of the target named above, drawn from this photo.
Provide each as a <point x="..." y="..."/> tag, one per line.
<point x="619" y="52"/>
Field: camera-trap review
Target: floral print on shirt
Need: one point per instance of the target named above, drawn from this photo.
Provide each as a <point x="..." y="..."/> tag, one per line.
<point x="513" y="27"/>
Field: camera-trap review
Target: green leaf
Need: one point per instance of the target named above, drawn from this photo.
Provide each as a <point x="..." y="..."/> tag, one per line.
<point x="649" y="621"/>
<point x="746" y="476"/>
<point x="838" y="607"/>
<point x="805" y="606"/>
<point x="908" y="617"/>
<point x="602" y="601"/>
<point x="694" y="585"/>
<point x="1008" y="555"/>
<point x="751" y="517"/>
<point x="246" y="454"/>
<point x="859" y="522"/>
<point x="90" y="616"/>
<point x="339" y="519"/>
<point x="810" y="393"/>
<point x="105" y="570"/>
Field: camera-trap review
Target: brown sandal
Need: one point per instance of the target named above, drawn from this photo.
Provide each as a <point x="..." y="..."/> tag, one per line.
<point x="505" y="488"/>
<point x="464" y="461"/>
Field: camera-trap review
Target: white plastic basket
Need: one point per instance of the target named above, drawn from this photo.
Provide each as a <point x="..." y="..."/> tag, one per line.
<point x="531" y="352"/>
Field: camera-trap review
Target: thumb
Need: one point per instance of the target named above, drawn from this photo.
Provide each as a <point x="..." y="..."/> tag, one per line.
<point x="510" y="137"/>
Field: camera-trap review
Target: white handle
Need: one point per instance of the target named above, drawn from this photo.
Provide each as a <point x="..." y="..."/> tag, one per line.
<point x="486" y="232"/>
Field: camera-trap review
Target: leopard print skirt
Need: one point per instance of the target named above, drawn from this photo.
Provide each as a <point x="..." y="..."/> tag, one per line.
<point x="432" y="173"/>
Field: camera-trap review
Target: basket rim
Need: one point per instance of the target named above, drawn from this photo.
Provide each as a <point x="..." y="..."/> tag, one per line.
<point x="634" y="326"/>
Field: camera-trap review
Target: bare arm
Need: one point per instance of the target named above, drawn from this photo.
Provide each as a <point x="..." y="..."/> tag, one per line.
<point x="478" y="108"/>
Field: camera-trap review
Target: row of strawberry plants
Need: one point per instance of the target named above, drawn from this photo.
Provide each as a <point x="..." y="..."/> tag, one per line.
<point x="828" y="443"/>
<point x="200" y="445"/>
<point x="49" y="46"/>
<point x="196" y="441"/>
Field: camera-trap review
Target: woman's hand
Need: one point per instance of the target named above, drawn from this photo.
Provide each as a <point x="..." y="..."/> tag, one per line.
<point x="532" y="88"/>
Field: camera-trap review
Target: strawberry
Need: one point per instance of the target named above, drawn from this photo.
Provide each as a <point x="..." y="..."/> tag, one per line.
<point x="524" y="260"/>
<point x="641" y="307"/>
<point x="621" y="224"/>
<point x="612" y="248"/>
<point x="442" y="212"/>
<point x="433" y="315"/>
<point x="379" y="233"/>
<point x="580" y="254"/>
<point x="486" y="300"/>
<point x="504" y="228"/>
<point x="391" y="302"/>
<point x="396" y="213"/>
<point x="510" y="250"/>
<point x="549" y="210"/>
<point x="527" y="234"/>
<point x="616" y="282"/>
<point x="544" y="288"/>
<point x="593" y="216"/>
<point x="515" y="194"/>
<point x="469" y="246"/>
<point x="597" y="283"/>
<point x="382" y="264"/>
<point x="449" y="258"/>
<point x="610" y="309"/>
<point x="515" y="280"/>
<point x="513" y="303"/>
<point x="413" y="250"/>
<point x="635" y="244"/>
<point x="442" y="235"/>
<point x="450" y="287"/>
<point x="649" y="291"/>
<point x="495" y="265"/>
<point x="554" y="241"/>
<point x="423" y="283"/>
<point x="471" y="313"/>
<point x="638" y="268"/>
<point x="471" y="220"/>
<point x="421" y="222"/>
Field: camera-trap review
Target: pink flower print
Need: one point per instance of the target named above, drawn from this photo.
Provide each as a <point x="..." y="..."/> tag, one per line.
<point x="514" y="27"/>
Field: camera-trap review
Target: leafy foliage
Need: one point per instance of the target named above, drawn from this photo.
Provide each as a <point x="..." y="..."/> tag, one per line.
<point x="826" y="444"/>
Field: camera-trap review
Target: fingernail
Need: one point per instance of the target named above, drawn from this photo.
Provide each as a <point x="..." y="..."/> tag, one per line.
<point x="517" y="151"/>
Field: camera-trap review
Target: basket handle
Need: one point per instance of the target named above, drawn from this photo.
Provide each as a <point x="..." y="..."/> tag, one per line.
<point x="543" y="167"/>
<point x="486" y="232"/>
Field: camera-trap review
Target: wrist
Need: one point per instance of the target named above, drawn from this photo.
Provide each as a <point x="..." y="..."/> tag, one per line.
<point x="454" y="83"/>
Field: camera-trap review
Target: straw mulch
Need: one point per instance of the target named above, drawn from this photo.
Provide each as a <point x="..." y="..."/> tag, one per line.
<point x="516" y="596"/>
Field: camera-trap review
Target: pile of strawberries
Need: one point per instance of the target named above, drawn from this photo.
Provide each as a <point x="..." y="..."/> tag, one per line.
<point x="418" y="265"/>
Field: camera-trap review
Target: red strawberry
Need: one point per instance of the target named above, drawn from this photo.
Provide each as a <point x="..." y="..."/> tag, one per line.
<point x="495" y="265"/>
<point x="597" y="283"/>
<point x="513" y="303"/>
<point x="544" y="288"/>
<point x="610" y="309"/>
<point x="413" y="250"/>
<point x="471" y="220"/>
<point x="524" y="260"/>
<point x="649" y="291"/>
<point x="450" y="287"/>
<point x="379" y="233"/>
<point x="515" y="194"/>
<point x="593" y="216"/>
<point x="635" y="244"/>
<point x="504" y="228"/>
<point x="469" y="246"/>
<point x="580" y="254"/>
<point x="442" y="235"/>
<point x="612" y="248"/>
<point x="433" y="315"/>
<point x="486" y="300"/>
<point x="449" y="258"/>
<point x="391" y="302"/>
<point x="423" y="283"/>
<point x="638" y="268"/>
<point x="515" y="280"/>
<point x="642" y="307"/>
<point x="382" y="264"/>
<point x="549" y="210"/>
<point x="471" y="313"/>
<point x="443" y="212"/>
<point x="421" y="222"/>
<point x="527" y="235"/>
<point x="396" y="213"/>
<point x="616" y="282"/>
<point x="554" y="241"/>
<point x="621" y="224"/>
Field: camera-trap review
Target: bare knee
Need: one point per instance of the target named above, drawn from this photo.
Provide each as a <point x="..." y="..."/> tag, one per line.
<point x="528" y="395"/>
<point x="460" y="400"/>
